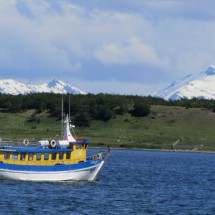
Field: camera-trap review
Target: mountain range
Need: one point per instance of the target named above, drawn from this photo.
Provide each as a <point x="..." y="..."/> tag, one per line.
<point x="200" y="85"/>
<point x="10" y="86"/>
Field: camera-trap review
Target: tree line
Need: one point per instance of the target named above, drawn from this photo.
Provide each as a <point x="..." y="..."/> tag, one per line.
<point x="83" y="108"/>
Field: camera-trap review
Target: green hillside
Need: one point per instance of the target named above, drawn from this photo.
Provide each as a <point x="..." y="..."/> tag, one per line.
<point x="166" y="127"/>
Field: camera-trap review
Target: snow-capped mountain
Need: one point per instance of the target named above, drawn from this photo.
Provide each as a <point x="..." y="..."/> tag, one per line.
<point x="10" y="86"/>
<point x="200" y="85"/>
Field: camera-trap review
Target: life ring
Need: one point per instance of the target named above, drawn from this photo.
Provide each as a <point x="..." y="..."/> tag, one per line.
<point x="25" y="142"/>
<point x="53" y="143"/>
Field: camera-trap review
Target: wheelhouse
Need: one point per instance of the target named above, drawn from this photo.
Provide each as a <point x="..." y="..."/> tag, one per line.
<point x="74" y="153"/>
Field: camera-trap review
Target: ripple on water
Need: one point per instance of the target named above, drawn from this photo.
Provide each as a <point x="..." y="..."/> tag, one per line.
<point x="131" y="182"/>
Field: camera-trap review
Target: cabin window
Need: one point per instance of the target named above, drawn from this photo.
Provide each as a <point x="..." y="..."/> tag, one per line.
<point x="15" y="156"/>
<point x="61" y="155"/>
<point x="38" y="156"/>
<point x="30" y="156"/>
<point x="54" y="156"/>
<point x="22" y="156"/>
<point x="46" y="156"/>
<point x="7" y="155"/>
<point x="78" y="146"/>
<point x="68" y="155"/>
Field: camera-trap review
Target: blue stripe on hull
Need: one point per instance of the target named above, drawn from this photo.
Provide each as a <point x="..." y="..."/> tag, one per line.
<point x="61" y="167"/>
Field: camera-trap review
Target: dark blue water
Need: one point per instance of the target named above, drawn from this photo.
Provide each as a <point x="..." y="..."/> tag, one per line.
<point x="131" y="182"/>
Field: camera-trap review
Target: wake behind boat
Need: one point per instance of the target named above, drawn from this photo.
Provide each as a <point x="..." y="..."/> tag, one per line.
<point x="60" y="160"/>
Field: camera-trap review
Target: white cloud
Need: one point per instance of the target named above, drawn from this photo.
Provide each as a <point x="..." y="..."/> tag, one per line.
<point x="61" y="41"/>
<point x="44" y="38"/>
<point x="34" y="44"/>
<point x="134" y="51"/>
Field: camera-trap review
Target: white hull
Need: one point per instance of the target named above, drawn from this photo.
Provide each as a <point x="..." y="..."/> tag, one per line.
<point x="86" y="174"/>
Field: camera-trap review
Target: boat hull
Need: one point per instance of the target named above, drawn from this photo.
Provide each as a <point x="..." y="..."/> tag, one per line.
<point x="81" y="172"/>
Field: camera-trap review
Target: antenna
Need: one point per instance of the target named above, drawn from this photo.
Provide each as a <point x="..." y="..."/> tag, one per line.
<point x="62" y="116"/>
<point x="69" y="107"/>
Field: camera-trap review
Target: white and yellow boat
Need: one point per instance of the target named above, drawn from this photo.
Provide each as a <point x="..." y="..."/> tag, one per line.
<point x="60" y="160"/>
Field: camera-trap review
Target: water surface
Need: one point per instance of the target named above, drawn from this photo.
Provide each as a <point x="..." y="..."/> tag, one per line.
<point x="131" y="182"/>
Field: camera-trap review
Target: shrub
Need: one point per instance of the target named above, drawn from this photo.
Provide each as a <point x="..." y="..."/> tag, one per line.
<point x="141" y="109"/>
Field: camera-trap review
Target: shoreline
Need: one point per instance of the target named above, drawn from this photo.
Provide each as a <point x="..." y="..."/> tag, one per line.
<point x="156" y="150"/>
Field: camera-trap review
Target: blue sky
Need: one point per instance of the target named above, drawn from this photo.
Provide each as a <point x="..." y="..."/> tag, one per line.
<point x="122" y="47"/>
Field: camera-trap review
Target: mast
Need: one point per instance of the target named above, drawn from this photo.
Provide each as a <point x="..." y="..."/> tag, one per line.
<point x="67" y="134"/>
<point x="69" y="107"/>
<point x="62" y="116"/>
<point x="71" y="126"/>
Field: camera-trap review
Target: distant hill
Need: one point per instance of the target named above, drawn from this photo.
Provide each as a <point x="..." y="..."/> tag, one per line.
<point x="10" y="86"/>
<point x="201" y="85"/>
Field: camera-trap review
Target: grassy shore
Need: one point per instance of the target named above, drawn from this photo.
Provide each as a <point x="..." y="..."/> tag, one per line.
<point x="166" y="127"/>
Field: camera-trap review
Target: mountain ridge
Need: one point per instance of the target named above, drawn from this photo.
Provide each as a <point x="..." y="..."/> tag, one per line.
<point x="201" y="85"/>
<point x="13" y="87"/>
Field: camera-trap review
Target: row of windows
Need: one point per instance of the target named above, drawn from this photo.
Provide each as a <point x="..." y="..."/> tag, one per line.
<point x="31" y="156"/>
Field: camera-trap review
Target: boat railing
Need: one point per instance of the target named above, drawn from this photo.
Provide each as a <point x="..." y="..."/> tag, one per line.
<point x="9" y="142"/>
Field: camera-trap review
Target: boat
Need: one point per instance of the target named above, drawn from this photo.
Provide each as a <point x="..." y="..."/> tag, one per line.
<point x="51" y="160"/>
